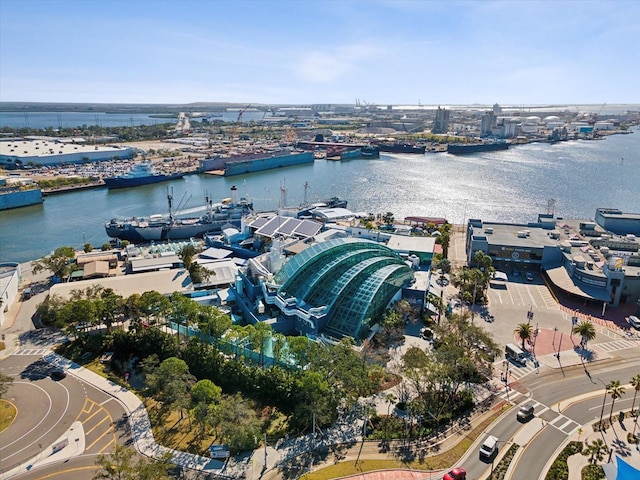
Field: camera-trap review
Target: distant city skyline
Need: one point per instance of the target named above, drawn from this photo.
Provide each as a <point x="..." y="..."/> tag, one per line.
<point x="301" y="52"/>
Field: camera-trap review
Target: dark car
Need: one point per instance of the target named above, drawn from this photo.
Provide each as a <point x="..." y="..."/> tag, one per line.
<point x="456" y="474"/>
<point x="525" y="413"/>
<point x="58" y="374"/>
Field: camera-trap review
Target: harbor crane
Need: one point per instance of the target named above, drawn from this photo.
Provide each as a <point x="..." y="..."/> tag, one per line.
<point x="232" y="140"/>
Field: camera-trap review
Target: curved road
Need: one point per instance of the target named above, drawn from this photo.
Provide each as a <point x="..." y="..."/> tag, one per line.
<point x="546" y="390"/>
<point x="46" y="411"/>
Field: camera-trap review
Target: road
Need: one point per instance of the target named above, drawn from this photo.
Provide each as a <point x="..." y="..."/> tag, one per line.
<point x="545" y="391"/>
<point x="47" y="409"/>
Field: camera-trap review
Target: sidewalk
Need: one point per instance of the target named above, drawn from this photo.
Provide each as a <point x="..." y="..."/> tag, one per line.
<point x="615" y="438"/>
<point x="141" y="431"/>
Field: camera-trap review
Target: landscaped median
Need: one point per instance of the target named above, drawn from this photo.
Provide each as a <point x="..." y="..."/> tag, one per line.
<point x="411" y="457"/>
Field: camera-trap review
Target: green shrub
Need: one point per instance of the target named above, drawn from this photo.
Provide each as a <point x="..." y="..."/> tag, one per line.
<point x="593" y="472"/>
<point x="559" y="469"/>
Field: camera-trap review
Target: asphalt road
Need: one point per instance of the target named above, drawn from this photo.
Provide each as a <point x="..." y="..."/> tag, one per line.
<point x="46" y="410"/>
<point x="546" y="390"/>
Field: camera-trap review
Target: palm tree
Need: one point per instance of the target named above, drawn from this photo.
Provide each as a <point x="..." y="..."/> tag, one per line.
<point x="595" y="450"/>
<point x="616" y="391"/>
<point x="586" y="330"/>
<point x="524" y="331"/>
<point x="635" y="383"/>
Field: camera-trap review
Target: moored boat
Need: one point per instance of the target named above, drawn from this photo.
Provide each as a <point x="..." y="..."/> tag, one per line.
<point x="20" y="193"/>
<point x="462" y="148"/>
<point x="401" y="147"/>
<point x="175" y="227"/>
<point x="142" y="173"/>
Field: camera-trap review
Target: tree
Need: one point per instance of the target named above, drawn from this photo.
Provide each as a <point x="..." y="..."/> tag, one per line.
<point x="444" y="239"/>
<point x="387" y="218"/>
<point x="616" y="391"/>
<point x="105" y="247"/>
<point x="586" y="330"/>
<point x="595" y="450"/>
<point x="635" y="383"/>
<point x="120" y="466"/>
<point x="184" y="310"/>
<point x="87" y="248"/>
<point x="154" y="304"/>
<point x="116" y="466"/>
<point x="170" y="383"/>
<point x="5" y="383"/>
<point x="524" y="332"/>
<point x="205" y="391"/>
<point x="58" y="263"/>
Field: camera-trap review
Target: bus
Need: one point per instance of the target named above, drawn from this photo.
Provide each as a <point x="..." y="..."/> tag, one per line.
<point x="514" y="353"/>
<point x="219" y="451"/>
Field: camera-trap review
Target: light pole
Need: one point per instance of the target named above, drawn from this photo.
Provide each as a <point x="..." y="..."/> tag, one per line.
<point x="604" y="399"/>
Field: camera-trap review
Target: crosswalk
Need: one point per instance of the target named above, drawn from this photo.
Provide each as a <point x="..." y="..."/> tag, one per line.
<point x="32" y="351"/>
<point x="549" y="416"/>
<point x="616" y="345"/>
<point x="515" y="372"/>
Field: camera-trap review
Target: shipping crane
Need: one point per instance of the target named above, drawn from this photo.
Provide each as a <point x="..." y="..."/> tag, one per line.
<point x="232" y="140"/>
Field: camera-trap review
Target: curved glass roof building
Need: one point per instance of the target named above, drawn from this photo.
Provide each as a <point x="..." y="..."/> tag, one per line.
<point x="338" y="287"/>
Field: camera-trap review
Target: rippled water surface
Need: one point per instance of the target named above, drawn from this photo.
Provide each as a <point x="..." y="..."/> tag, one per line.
<point x="510" y="186"/>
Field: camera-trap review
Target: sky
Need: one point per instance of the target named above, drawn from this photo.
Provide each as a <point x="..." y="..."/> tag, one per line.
<point x="308" y="52"/>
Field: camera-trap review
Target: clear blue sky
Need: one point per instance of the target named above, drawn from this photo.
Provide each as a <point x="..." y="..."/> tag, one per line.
<point x="382" y="52"/>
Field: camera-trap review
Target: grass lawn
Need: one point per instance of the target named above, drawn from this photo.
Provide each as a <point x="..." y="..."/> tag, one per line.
<point x="435" y="462"/>
<point x="8" y="413"/>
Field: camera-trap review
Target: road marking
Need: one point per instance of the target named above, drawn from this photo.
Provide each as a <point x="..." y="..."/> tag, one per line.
<point x="569" y="421"/>
<point x="545" y="409"/>
<point x="69" y="470"/>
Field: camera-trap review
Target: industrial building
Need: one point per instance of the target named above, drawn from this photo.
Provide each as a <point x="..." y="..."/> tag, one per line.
<point x="52" y="151"/>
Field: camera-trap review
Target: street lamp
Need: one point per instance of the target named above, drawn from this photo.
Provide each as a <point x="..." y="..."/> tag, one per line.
<point x="604" y="399"/>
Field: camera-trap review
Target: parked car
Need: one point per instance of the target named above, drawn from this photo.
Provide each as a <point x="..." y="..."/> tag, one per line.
<point x="529" y="276"/>
<point x="489" y="448"/>
<point x="525" y="413"/>
<point x="634" y="321"/>
<point x="456" y="474"/>
<point x="57" y="374"/>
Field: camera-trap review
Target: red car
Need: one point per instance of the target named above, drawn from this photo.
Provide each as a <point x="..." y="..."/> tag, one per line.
<point x="456" y="474"/>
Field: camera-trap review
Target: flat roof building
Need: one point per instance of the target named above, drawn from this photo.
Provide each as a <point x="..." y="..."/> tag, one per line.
<point x="50" y="151"/>
<point x="578" y="257"/>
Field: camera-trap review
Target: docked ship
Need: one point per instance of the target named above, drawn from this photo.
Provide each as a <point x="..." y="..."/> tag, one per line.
<point x="142" y="173"/>
<point x="401" y="147"/>
<point x="19" y="194"/>
<point x="306" y="208"/>
<point x="463" y="148"/>
<point x="255" y="162"/>
<point x="175" y="227"/>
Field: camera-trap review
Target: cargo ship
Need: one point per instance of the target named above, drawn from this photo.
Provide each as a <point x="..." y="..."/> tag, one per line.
<point x="463" y="148"/>
<point x="19" y="194"/>
<point x="401" y="147"/>
<point x="174" y="227"/>
<point x="255" y="162"/>
<point x="142" y="173"/>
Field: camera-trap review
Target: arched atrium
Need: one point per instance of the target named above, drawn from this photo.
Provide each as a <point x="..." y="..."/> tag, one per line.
<point x="338" y="287"/>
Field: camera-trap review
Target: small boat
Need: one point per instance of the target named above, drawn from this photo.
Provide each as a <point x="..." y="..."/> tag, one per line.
<point x="142" y="173"/>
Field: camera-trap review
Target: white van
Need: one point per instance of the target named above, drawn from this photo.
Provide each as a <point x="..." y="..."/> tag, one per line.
<point x="489" y="448"/>
<point x="514" y="353"/>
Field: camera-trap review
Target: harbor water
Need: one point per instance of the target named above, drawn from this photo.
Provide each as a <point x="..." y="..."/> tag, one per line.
<point x="507" y="186"/>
